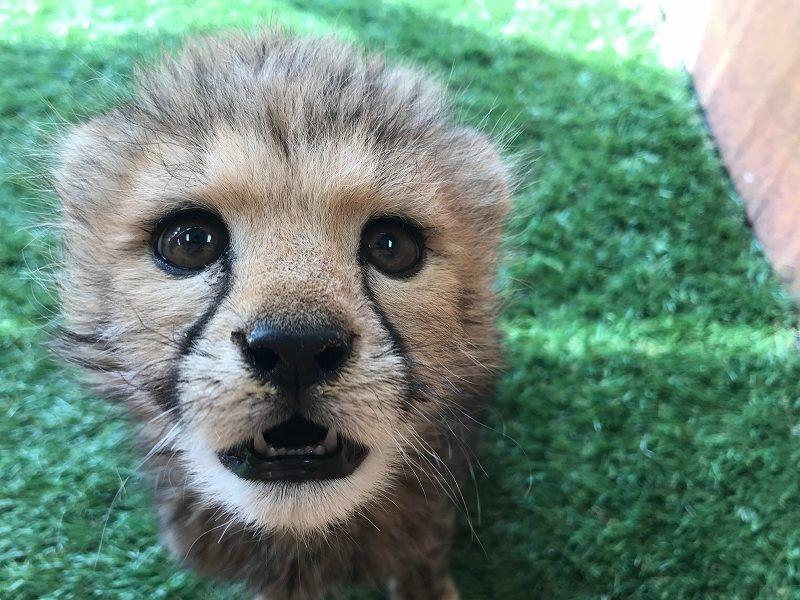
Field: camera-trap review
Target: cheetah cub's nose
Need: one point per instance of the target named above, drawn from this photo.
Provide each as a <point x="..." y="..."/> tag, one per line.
<point x="297" y="357"/>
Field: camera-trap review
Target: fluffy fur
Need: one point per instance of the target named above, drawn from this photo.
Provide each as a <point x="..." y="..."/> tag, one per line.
<point x="297" y="143"/>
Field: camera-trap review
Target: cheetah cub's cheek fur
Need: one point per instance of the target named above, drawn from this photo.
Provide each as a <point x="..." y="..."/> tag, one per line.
<point x="279" y="256"/>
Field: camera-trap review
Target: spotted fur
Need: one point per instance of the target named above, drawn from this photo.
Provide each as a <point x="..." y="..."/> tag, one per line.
<point x="297" y="144"/>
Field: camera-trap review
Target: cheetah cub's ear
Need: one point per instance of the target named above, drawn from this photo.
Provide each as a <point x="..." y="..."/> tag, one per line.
<point x="279" y="255"/>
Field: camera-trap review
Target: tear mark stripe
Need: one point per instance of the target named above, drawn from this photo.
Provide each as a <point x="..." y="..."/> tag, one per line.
<point x="398" y="344"/>
<point x="167" y="393"/>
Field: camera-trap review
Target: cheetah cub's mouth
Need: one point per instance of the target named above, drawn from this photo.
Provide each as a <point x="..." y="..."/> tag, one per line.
<point x="295" y="450"/>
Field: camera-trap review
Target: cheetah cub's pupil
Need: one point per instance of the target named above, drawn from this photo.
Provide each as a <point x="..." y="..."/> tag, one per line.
<point x="279" y="256"/>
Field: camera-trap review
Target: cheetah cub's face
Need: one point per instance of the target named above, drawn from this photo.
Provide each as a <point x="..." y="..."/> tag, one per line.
<point x="279" y="256"/>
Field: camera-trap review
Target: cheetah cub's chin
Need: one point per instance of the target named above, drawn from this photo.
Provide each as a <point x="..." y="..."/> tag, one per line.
<point x="279" y="256"/>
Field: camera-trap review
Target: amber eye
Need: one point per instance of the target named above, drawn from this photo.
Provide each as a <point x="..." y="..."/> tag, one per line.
<point x="190" y="240"/>
<point x="393" y="246"/>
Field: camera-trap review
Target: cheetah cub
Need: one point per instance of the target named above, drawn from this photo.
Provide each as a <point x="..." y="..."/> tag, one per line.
<point x="279" y="255"/>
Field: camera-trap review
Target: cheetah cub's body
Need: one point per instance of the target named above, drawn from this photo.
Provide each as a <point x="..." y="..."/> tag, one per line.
<point x="279" y="256"/>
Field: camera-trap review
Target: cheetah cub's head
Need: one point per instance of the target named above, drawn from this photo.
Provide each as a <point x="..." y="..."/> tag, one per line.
<point x="279" y="255"/>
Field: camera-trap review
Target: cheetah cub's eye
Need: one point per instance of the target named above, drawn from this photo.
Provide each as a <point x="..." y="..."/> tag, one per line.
<point x="189" y="241"/>
<point x="393" y="246"/>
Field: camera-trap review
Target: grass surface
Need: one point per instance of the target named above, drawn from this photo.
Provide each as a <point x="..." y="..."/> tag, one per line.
<point x="645" y="441"/>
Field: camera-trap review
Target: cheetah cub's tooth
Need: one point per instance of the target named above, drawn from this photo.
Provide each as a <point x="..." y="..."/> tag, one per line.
<point x="260" y="444"/>
<point x="330" y="440"/>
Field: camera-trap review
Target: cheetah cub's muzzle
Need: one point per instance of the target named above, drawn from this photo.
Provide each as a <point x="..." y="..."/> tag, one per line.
<point x="296" y="449"/>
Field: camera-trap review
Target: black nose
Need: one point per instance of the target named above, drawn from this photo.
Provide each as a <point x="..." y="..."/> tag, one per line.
<point x="298" y="357"/>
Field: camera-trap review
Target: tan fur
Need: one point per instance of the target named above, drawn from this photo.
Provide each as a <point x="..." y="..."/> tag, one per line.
<point x="297" y="143"/>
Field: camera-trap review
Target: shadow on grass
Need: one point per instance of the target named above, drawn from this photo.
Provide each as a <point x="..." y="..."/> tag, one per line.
<point x="609" y="472"/>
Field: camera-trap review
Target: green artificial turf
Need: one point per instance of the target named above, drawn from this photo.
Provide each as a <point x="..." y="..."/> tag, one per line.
<point x="644" y="443"/>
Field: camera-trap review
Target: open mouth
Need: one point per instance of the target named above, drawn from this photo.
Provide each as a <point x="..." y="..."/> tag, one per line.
<point x="295" y="450"/>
